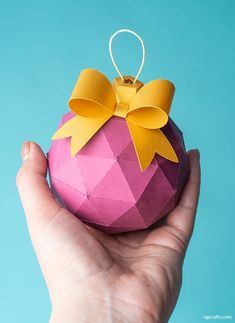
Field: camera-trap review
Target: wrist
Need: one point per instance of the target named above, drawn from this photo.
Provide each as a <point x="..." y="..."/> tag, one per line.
<point x="101" y="312"/>
<point x="101" y="304"/>
<point x="77" y="310"/>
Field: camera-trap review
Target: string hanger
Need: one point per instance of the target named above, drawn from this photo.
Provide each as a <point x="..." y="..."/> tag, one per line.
<point x="111" y="53"/>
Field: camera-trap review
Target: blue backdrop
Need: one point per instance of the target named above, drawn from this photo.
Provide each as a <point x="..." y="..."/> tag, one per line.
<point x="43" y="47"/>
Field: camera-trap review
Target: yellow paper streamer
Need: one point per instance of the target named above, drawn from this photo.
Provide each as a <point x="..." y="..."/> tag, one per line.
<point x="145" y="107"/>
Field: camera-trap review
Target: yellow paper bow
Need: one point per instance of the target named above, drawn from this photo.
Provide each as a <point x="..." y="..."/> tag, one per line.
<point x="145" y="107"/>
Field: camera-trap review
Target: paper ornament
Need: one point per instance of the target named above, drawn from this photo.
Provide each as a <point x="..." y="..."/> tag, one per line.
<point x="117" y="161"/>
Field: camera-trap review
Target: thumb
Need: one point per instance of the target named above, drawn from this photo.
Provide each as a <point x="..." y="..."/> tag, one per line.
<point x="39" y="204"/>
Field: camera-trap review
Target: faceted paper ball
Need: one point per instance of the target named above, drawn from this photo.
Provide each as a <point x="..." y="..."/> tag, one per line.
<point x="103" y="184"/>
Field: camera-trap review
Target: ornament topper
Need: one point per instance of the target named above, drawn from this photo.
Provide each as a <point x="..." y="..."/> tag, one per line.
<point x="145" y="108"/>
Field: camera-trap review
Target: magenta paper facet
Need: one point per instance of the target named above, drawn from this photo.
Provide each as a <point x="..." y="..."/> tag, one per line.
<point x="103" y="184"/>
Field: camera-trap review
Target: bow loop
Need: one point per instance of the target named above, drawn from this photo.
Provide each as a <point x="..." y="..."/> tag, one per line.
<point x="93" y="95"/>
<point x="150" y="106"/>
<point x="148" y="117"/>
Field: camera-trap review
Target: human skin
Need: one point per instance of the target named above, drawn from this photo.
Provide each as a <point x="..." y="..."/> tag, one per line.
<point x="94" y="277"/>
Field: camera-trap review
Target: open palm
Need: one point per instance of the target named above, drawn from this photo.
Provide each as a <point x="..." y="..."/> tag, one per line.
<point x="95" y="277"/>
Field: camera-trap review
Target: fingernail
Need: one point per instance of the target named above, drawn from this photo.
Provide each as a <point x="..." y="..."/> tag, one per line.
<point x="25" y="150"/>
<point x="197" y="153"/>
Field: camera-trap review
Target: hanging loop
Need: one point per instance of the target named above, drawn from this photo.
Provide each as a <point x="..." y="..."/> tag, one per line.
<point x="111" y="53"/>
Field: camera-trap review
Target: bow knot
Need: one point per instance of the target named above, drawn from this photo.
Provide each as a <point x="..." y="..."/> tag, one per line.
<point x="121" y="110"/>
<point x="125" y="90"/>
<point x="145" y="107"/>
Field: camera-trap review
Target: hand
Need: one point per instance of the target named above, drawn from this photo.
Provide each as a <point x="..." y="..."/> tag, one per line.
<point x="93" y="277"/>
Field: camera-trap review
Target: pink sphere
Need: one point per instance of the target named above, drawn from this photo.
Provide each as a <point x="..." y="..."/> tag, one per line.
<point x="103" y="184"/>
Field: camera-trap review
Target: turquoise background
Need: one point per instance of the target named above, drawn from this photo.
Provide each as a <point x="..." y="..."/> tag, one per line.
<point x="43" y="47"/>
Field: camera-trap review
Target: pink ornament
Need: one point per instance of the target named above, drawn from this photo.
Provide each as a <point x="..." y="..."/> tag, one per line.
<point x="103" y="184"/>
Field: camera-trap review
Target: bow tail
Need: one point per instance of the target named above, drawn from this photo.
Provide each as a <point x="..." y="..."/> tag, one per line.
<point x="147" y="142"/>
<point x="81" y="130"/>
<point x="163" y="146"/>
